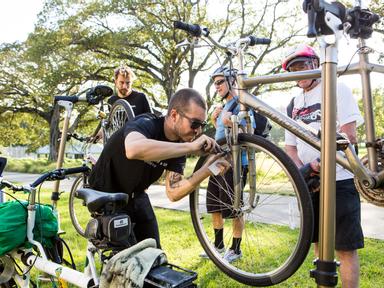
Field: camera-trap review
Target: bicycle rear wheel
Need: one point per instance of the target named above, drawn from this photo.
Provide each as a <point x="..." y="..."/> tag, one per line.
<point x="78" y="212"/>
<point x="278" y="223"/>
<point x="121" y="112"/>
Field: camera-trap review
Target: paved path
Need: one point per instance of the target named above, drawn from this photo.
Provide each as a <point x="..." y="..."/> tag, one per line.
<point x="372" y="217"/>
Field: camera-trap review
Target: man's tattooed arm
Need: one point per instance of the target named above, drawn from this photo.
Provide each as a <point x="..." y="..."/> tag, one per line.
<point x="178" y="187"/>
<point x="174" y="179"/>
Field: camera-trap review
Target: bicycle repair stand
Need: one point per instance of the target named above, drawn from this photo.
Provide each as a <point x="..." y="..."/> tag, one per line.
<point x="325" y="20"/>
<point x="55" y="196"/>
<point x="322" y="22"/>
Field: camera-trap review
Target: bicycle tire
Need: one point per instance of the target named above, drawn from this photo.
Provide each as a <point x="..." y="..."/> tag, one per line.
<point x="121" y="112"/>
<point x="77" y="208"/>
<point x="273" y="249"/>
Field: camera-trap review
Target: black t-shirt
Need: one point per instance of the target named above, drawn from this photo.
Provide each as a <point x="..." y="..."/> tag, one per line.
<point x="137" y="100"/>
<point x="113" y="172"/>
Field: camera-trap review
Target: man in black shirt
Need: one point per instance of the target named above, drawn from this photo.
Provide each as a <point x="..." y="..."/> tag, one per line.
<point x="137" y="154"/>
<point x="124" y="78"/>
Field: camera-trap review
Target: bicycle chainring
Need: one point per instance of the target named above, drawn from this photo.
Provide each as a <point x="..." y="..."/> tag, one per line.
<point x="376" y="195"/>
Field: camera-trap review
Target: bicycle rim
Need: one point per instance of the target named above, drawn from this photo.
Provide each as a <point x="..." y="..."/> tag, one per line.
<point x="277" y="230"/>
<point x="77" y="210"/>
<point x="121" y="112"/>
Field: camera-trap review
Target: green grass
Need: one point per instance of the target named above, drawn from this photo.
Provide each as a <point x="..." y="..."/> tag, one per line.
<point x="37" y="166"/>
<point x="182" y="248"/>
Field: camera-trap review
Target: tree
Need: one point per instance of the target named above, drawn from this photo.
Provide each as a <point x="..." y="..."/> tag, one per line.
<point x="378" y="106"/>
<point x="76" y="42"/>
<point x="34" y="71"/>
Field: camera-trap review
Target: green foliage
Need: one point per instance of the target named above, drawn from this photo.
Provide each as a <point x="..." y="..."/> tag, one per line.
<point x="23" y="129"/>
<point x="378" y="107"/>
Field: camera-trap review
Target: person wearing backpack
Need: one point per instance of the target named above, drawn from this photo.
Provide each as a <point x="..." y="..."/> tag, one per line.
<point x="224" y="80"/>
<point x="306" y="107"/>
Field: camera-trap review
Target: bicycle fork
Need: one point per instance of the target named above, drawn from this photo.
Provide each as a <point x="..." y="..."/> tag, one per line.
<point x="237" y="165"/>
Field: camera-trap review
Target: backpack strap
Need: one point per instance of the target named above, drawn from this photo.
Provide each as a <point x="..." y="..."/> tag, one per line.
<point x="290" y="107"/>
<point x="233" y="106"/>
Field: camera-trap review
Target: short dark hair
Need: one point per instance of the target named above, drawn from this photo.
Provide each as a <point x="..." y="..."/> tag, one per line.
<point x="181" y="99"/>
<point x="125" y="71"/>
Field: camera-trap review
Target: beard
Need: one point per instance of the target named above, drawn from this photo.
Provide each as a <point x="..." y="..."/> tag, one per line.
<point x="123" y="91"/>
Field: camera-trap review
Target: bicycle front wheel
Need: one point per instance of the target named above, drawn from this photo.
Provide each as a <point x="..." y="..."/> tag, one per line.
<point x="78" y="211"/>
<point x="121" y="112"/>
<point x="276" y="213"/>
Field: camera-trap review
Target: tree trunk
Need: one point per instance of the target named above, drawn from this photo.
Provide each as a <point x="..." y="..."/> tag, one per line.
<point x="54" y="134"/>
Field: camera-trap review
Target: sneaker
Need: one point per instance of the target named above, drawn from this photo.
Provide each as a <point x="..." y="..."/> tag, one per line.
<point x="231" y="256"/>
<point x="219" y="250"/>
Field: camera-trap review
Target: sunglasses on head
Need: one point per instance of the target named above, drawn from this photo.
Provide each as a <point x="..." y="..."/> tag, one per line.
<point x="219" y="82"/>
<point x="195" y="124"/>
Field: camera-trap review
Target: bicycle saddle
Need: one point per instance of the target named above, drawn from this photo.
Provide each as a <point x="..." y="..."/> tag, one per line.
<point x="95" y="200"/>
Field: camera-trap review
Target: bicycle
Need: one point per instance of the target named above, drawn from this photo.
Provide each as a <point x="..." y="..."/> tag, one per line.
<point x="29" y="244"/>
<point x="274" y="247"/>
<point x="42" y="256"/>
<point x="110" y="122"/>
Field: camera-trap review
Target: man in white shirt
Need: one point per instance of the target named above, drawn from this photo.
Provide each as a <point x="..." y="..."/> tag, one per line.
<point x="306" y="107"/>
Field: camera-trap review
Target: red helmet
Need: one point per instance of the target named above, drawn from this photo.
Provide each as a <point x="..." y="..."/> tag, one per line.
<point x="299" y="53"/>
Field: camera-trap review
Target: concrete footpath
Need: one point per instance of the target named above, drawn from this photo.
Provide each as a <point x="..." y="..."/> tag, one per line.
<point x="372" y="217"/>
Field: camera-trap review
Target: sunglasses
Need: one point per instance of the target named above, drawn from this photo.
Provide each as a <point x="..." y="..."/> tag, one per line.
<point x="195" y="124"/>
<point x="219" y="82"/>
<point x="300" y="66"/>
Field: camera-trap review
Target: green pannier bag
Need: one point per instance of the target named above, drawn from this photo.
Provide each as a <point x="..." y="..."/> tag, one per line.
<point x="13" y="225"/>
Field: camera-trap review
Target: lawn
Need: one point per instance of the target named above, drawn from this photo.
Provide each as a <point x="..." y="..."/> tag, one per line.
<point x="182" y="248"/>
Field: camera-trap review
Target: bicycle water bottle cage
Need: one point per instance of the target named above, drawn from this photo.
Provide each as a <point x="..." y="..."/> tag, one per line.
<point x="316" y="10"/>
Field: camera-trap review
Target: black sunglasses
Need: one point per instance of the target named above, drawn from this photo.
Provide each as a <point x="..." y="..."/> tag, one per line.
<point x="219" y="82"/>
<point x="195" y="124"/>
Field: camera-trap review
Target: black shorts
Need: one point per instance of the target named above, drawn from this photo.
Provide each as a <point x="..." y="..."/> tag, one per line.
<point x="219" y="195"/>
<point x="349" y="234"/>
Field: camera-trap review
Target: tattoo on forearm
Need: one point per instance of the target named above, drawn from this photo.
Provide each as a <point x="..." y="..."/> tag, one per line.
<point x="174" y="180"/>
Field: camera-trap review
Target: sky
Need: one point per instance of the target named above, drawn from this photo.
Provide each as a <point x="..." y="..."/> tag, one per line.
<point x="17" y="18"/>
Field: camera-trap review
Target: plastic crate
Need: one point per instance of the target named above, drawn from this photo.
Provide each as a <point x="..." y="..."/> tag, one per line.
<point x="170" y="276"/>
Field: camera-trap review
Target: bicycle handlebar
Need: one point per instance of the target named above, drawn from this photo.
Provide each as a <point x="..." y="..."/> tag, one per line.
<point x="57" y="174"/>
<point x="193" y="29"/>
<point x="258" y="41"/>
<point x="92" y="96"/>
<point x="4" y="183"/>
<point x="197" y="31"/>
